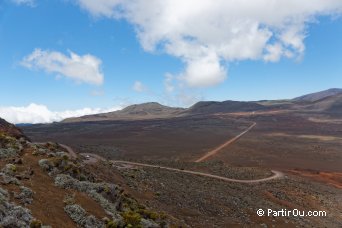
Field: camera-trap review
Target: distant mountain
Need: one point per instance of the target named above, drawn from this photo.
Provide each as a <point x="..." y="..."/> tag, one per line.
<point x="23" y="124"/>
<point x="209" y="107"/>
<point x="312" y="97"/>
<point x="149" y="110"/>
<point x="330" y="104"/>
<point x="325" y="101"/>
<point x="155" y="110"/>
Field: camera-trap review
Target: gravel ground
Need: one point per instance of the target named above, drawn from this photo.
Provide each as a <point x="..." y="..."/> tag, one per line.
<point x="203" y="202"/>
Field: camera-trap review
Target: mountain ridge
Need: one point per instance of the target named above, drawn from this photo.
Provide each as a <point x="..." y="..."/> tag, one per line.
<point x="323" y="101"/>
<point x="312" y="97"/>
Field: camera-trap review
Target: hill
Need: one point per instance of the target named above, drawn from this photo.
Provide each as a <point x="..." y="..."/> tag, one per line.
<point x="324" y="101"/>
<point x="149" y="110"/>
<point x="330" y="104"/>
<point x="210" y="107"/>
<point x="312" y="97"/>
<point x="10" y="129"/>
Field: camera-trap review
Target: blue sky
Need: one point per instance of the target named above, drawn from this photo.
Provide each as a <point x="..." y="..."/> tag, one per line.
<point x="129" y="58"/>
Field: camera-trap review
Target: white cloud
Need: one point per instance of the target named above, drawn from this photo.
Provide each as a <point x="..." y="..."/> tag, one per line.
<point x="84" y="68"/>
<point x="207" y="34"/>
<point x="273" y="52"/>
<point x="204" y="71"/>
<point x="35" y="113"/>
<point x="25" y="2"/>
<point x="139" y="87"/>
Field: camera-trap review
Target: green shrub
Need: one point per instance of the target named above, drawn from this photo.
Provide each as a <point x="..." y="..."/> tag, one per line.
<point x="106" y="189"/>
<point x="149" y="214"/>
<point x="111" y="224"/>
<point x="131" y="218"/>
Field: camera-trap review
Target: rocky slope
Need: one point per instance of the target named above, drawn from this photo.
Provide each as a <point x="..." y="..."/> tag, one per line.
<point x="42" y="186"/>
<point x="10" y="129"/>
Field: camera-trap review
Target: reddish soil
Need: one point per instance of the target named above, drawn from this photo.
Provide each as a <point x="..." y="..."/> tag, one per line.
<point x="330" y="178"/>
<point x="48" y="205"/>
<point x="230" y="141"/>
<point x="284" y="203"/>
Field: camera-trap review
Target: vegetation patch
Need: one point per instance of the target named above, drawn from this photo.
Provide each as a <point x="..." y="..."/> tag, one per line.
<point x="25" y="195"/>
<point x="81" y="217"/>
<point x="12" y="215"/>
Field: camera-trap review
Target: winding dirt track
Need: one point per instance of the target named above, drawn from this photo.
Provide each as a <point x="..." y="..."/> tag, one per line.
<point x="93" y="158"/>
<point x="217" y="149"/>
<point x="276" y="175"/>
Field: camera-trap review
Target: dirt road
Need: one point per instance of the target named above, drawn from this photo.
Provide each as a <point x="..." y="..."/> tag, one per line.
<point x="216" y="150"/>
<point x="276" y="175"/>
<point x="92" y="158"/>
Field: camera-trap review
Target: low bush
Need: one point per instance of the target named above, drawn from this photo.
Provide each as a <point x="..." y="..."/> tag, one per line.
<point x="132" y="218"/>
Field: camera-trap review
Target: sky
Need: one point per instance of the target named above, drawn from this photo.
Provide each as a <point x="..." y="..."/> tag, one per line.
<point x="64" y="58"/>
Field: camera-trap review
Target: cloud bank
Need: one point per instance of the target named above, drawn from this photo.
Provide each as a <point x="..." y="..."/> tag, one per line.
<point x="82" y="69"/>
<point x="206" y="34"/>
<point x="35" y="113"/>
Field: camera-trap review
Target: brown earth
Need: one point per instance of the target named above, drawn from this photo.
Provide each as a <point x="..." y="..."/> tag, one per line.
<point x="48" y="205"/>
<point x="331" y="178"/>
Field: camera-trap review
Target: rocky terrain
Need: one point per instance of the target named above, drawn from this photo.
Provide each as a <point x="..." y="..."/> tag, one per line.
<point x="204" y="202"/>
<point x="42" y="186"/>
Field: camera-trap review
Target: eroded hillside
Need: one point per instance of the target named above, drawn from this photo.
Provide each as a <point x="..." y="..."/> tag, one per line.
<point x="41" y="185"/>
